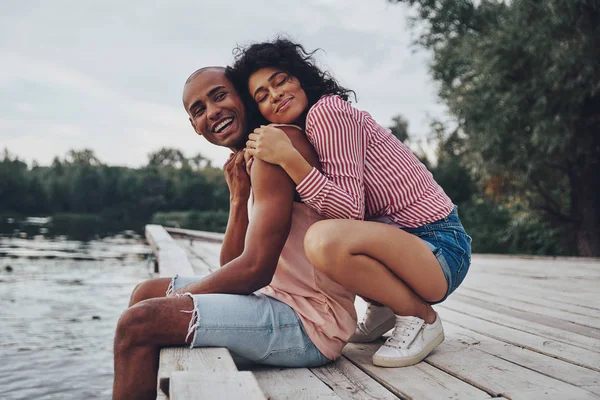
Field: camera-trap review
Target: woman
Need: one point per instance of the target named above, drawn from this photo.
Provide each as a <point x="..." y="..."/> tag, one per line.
<point x="394" y="236"/>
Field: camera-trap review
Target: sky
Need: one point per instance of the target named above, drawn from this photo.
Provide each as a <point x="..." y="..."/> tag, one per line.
<point x="108" y="75"/>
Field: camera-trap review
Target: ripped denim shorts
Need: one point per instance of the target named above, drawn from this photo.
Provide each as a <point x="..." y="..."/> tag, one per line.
<point x="255" y="328"/>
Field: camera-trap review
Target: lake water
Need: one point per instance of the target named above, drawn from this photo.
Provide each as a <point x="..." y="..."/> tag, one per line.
<point x="60" y="304"/>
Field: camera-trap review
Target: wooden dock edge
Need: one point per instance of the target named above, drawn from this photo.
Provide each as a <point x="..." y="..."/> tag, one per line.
<point x="172" y="259"/>
<point x="216" y="362"/>
<point x="199" y="235"/>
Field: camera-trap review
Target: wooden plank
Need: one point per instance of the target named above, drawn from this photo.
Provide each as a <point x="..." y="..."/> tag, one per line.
<point x="550" y="366"/>
<point x="292" y="384"/>
<point x="581" y="315"/>
<point x="525" y="313"/>
<point x="523" y="267"/>
<point x="548" y="271"/>
<point x="562" y="291"/>
<point x="421" y="381"/>
<point x="208" y="252"/>
<point x="350" y="383"/>
<point x="498" y="376"/>
<point x="563" y="351"/>
<point x="560" y="284"/>
<point x="201" y="235"/>
<point x="185" y="359"/>
<point x="200" y="266"/>
<point x="526" y="325"/>
<point x="186" y="385"/>
<point x="172" y="259"/>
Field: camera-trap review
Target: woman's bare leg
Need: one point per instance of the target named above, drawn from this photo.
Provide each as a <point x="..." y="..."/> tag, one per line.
<point x="379" y="262"/>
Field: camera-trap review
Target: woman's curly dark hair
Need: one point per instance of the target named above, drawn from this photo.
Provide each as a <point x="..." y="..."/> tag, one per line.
<point x="287" y="56"/>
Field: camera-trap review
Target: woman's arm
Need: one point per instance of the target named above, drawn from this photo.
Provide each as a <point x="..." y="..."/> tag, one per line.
<point x="335" y="131"/>
<point x="238" y="182"/>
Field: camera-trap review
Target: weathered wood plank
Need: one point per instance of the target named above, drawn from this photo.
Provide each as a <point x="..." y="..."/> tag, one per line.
<point x="350" y="383"/>
<point x="209" y="252"/>
<point x="421" y="381"/>
<point x="550" y="366"/>
<point x="579" y="293"/>
<point x="199" y="264"/>
<point x="172" y="259"/>
<point x="525" y="313"/>
<point x="185" y="359"/>
<point x="199" y="235"/>
<point x="292" y="384"/>
<point x="548" y="306"/>
<point x="573" y="354"/>
<point x="498" y="376"/>
<point x="526" y="325"/>
<point x="186" y="385"/>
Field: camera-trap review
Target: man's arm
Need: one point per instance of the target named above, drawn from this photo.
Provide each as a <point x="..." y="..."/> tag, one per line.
<point x="267" y="233"/>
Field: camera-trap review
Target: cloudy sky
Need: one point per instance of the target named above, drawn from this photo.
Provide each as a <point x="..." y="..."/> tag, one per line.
<point x="107" y="75"/>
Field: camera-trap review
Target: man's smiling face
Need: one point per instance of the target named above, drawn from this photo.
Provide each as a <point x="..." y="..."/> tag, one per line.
<point x="215" y="109"/>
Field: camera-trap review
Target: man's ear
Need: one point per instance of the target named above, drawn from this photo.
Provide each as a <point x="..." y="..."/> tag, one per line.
<point x="194" y="126"/>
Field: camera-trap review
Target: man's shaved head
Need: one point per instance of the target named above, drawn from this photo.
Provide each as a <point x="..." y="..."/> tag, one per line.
<point x="201" y="70"/>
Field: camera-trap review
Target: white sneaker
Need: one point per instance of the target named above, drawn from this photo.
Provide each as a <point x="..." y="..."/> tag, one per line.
<point x="411" y="341"/>
<point x="376" y="321"/>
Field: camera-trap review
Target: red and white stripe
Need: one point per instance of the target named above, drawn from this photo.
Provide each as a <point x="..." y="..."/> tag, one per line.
<point x="367" y="172"/>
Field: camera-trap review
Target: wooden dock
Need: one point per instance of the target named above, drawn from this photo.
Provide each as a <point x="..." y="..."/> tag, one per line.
<point x="518" y="328"/>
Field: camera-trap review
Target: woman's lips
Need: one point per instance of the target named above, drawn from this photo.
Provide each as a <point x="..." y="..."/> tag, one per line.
<point x="284" y="104"/>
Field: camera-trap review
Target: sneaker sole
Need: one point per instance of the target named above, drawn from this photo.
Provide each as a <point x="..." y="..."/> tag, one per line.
<point x="376" y="334"/>
<point x="405" y="362"/>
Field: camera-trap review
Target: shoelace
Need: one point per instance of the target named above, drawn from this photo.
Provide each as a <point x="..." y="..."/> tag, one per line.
<point x="405" y="331"/>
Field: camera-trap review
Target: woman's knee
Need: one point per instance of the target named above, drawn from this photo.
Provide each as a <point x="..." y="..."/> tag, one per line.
<point x="324" y="245"/>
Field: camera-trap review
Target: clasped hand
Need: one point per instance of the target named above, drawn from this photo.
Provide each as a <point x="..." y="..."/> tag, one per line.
<point x="236" y="176"/>
<point x="269" y="144"/>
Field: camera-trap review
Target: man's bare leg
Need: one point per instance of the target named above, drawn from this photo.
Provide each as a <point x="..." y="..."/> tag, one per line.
<point x="141" y="332"/>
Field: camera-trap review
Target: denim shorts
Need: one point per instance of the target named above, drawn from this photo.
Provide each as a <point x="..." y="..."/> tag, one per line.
<point x="255" y="328"/>
<point x="450" y="244"/>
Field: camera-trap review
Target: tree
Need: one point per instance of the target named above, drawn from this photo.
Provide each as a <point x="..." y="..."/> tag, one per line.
<point x="399" y="127"/>
<point x="167" y="156"/>
<point x="522" y="78"/>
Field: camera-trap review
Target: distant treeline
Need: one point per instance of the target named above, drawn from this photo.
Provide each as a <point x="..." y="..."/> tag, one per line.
<point x="82" y="189"/>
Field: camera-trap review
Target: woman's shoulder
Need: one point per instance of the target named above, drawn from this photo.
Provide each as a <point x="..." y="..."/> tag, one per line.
<point x="330" y="100"/>
<point x="330" y="105"/>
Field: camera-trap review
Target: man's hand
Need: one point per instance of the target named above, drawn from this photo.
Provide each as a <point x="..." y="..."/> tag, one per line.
<point x="236" y="176"/>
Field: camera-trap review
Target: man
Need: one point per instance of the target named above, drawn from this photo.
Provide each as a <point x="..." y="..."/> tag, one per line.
<point x="299" y="317"/>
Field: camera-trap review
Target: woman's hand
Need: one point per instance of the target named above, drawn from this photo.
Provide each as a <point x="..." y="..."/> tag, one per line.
<point x="236" y="177"/>
<point x="270" y="144"/>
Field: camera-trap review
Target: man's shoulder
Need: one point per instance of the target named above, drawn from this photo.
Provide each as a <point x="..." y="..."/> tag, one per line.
<point x="268" y="177"/>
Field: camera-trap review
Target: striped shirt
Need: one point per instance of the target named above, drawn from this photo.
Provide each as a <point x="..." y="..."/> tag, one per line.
<point x="367" y="171"/>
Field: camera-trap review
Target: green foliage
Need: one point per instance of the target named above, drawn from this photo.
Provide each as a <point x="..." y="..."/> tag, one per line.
<point x="522" y="78"/>
<point x="80" y="186"/>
